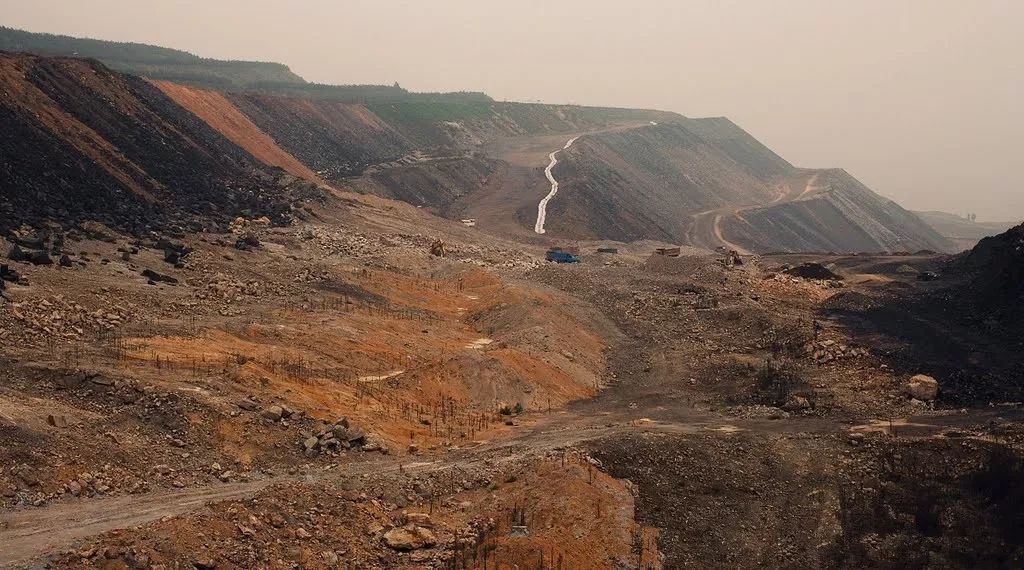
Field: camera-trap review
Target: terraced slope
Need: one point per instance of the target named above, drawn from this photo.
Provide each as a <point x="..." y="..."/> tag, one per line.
<point x="748" y="152"/>
<point x="157" y="150"/>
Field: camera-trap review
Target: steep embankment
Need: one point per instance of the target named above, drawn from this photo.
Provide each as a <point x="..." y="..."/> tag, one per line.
<point x="840" y="214"/>
<point x="215" y="109"/>
<point x="706" y="182"/>
<point x="82" y="142"/>
<point x="440" y="185"/>
<point x="646" y="183"/>
<point x="335" y="139"/>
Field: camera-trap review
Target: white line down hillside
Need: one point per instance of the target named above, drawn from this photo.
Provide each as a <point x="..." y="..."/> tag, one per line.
<point x="542" y="208"/>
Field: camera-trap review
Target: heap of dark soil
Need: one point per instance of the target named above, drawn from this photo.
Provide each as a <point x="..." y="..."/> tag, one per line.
<point x="996" y="269"/>
<point x="967" y="331"/>
<point x="811" y="270"/>
<point x="81" y="142"/>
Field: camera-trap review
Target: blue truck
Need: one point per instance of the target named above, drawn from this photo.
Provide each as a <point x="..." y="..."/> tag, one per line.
<point x="559" y="256"/>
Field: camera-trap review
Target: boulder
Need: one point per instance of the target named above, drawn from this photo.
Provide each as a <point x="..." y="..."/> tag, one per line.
<point x="17" y="254"/>
<point x="409" y="537"/>
<point x="248" y="405"/>
<point x="40" y="258"/>
<point x="796" y="403"/>
<point x="8" y="274"/>
<point x="247" y="242"/>
<point x="273" y="413"/>
<point x="155" y="277"/>
<point x="419" y="519"/>
<point x="355" y="435"/>
<point x="922" y="387"/>
<point x="98" y="231"/>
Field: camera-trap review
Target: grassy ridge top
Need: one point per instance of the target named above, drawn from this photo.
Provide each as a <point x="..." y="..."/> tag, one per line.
<point x="152" y="61"/>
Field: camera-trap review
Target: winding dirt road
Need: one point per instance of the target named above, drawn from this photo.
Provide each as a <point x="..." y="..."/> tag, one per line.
<point x="706" y="231"/>
<point x="542" y="208"/>
<point x="31" y="532"/>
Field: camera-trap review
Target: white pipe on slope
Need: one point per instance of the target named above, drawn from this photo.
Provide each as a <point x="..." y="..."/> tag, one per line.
<point x="542" y="208"/>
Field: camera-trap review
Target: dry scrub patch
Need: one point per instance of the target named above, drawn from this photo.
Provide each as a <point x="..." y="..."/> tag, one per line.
<point x="412" y="367"/>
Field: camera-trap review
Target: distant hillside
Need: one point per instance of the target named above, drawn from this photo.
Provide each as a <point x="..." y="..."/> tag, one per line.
<point x="152" y="61"/>
<point x="841" y="215"/>
<point x="736" y="143"/>
<point x="81" y="141"/>
<point x="709" y="183"/>
<point x="964" y="233"/>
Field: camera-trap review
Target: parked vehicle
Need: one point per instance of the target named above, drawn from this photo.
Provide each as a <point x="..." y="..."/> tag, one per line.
<point x="559" y="256"/>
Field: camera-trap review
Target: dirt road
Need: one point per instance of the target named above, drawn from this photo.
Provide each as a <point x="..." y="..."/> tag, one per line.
<point x="706" y="231"/>
<point x="32" y="532"/>
<point x="508" y="204"/>
<point x="542" y="207"/>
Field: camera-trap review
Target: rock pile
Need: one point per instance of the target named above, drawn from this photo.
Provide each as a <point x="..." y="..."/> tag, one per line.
<point x="339" y="436"/>
<point x="63" y="318"/>
<point x="825" y="351"/>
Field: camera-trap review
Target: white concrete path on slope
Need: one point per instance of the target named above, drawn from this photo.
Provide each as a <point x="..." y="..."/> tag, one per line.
<point x="542" y="208"/>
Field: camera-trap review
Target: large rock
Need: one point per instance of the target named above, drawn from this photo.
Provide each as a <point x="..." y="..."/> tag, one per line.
<point x="40" y="258"/>
<point x="409" y="537"/>
<point x="16" y="254"/>
<point x="273" y="413"/>
<point x="98" y="231"/>
<point x="8" y="274"/>
<point x="155" y="277"/>
<point x="922" y="387"/>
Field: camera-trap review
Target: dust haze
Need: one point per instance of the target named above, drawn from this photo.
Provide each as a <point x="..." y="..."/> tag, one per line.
<point x="919" y="99"/>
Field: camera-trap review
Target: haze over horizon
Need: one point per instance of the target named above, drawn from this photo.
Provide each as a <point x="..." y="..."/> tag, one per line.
<point x="920" y="100"/>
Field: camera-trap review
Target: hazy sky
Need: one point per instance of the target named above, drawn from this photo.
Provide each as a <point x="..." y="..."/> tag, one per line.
<point x="920" y="99"/>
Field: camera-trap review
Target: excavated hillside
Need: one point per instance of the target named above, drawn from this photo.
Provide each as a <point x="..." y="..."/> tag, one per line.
<point x="334" y="139"/>
<point x="366" y="385"/>
<point x="215" y="110"/>
<point x="842" y="216"/>
<point x="160" y="152"/>
<point x="705" y="182"/>
<point x="645" y="183"/>
<point x="964" y="327"/>
<point x="82" y="142"/>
